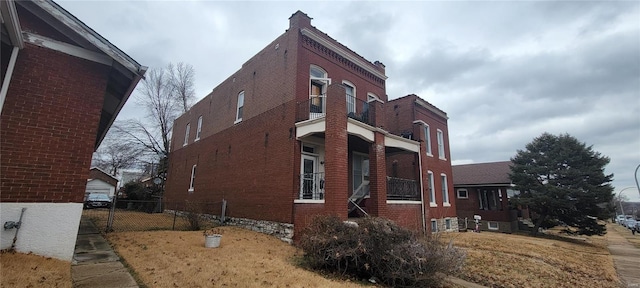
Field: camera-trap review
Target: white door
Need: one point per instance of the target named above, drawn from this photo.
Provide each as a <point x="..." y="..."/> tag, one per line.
<point x="360" y="174"/>
<point x="309" y="186"/>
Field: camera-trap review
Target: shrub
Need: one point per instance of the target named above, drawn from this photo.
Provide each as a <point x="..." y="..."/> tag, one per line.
<point x="378" y="249"/>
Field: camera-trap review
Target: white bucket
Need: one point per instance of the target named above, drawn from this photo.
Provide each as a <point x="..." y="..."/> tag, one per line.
<point x="212" y="241"/>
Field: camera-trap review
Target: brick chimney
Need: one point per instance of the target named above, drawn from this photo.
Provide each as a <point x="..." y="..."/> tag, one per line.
<point x="299" y="20"/>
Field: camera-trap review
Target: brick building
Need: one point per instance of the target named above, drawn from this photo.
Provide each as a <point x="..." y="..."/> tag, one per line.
<point x="484" y="189"/>
<point x="300" y="130"/>
<point x="62" y="87"/>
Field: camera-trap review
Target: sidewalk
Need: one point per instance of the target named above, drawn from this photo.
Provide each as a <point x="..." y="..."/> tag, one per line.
<point x="94" y="262"/>
<point x="626" y="257"/>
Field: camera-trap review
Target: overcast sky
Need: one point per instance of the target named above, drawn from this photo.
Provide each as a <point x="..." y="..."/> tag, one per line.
<point x="505" y="72"/>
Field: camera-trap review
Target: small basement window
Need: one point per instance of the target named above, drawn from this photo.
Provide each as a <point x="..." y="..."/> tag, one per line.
<point x="493" y="225"/>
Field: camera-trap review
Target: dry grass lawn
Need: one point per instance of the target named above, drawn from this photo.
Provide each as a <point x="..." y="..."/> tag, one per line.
<point x="28" y="270"/>
<point x="504" y="260"/>
<point x="244" y="259"/>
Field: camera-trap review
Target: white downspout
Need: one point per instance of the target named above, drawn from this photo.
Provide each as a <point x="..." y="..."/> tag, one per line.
<point x="7" y="76"/>
<point x="424" y="219"/>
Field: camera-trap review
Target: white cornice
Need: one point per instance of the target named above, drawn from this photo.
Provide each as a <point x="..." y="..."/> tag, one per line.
<point x="66" y="48"/>
<point x="343" y="53"/>
<point x="87" y="33"/>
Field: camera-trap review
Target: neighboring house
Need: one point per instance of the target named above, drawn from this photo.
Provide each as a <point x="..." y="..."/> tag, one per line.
<point x="62" y="87"/>
<point x="299" y="131"/>
<point x="484" y="189"/>
<point x="100" y="182"/>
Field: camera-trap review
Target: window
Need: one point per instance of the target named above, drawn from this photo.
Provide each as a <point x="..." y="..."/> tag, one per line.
<point x="427" y="139"/>
<point x="186" y="134"/>
<point x="441" y="145"/>
<point x="445" y="189"/>
<point x="351" y="97"/>
<point x="447" y="224"/>
<point x="434" y="225"/>
<point x="488" y="199"/>
<point x="463" y="194"/>
<point x="240" y="107"/>
<point x="493" y="225"/>
<point x="318" y="83"/>
<point x="193" y="178"/>
<point x="199" y="130"/>
<point x="432" y="193"/>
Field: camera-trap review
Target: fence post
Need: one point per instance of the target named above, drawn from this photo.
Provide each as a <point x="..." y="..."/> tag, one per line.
<point x="112" y="211"/>
<point x="224" y="209"/>
<point x="175" y="214"/>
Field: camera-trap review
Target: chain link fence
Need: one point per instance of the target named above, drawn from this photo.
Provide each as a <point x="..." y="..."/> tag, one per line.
<point x="139" y="215"/>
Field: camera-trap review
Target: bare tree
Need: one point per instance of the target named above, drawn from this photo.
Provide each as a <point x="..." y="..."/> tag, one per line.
<point x="164" y="94"/>
<point x="115" y="155"/>
<point x="182" y="80"/>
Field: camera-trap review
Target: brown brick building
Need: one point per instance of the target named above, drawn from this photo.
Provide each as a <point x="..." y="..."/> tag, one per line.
<point x="302" y="129"/>
<point x="62" y="87"/>
<point x="484" y="189"/>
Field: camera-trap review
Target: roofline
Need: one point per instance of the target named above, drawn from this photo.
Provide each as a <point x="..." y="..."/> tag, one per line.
<point x="482" y="185"/>
<point x="98" y="168"/>
<point x="9" y="17"/>
<point x="481" y="163"/>
<point x="90" y="35"/>
<point x="366" y="66"/>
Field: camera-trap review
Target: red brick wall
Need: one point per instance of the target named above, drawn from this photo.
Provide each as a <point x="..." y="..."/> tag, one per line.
<point x="48" y="126"/>
<point x="250" y="165"/>
<point x="267" y="80"/>
<point x="406" y="215"/>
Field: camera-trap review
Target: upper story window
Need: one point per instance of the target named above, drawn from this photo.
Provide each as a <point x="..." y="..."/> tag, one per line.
<point x="199" y="130"/>
<point x="351" y="96"/>
<point x="240" y="107"/>
<point x="186" y="134"/>
<point x="441" y="145"/>
<point x="432" y="193"/>
<point x="427" y="139"/>
<point x="318" y="83"/>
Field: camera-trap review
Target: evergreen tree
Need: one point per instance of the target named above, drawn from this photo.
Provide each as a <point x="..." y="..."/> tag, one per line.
<point x="562" y="179"/>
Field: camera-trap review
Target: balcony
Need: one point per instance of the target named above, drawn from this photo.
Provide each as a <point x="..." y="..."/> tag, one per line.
<point x="402" y="189"/>
<point x="315" y="108"/>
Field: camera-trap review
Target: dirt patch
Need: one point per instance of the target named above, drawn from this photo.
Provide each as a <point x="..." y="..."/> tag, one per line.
<point x="28" y="270"/>
<point x="504" y="260"/>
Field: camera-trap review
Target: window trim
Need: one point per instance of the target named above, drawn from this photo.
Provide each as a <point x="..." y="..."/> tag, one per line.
<point x="432" y="189"/>
<point x="193" y="178"/>
<point x="427" y="139"/>
<point x="460" y="197"/>
<point x="186" y="134"/>
<point x="441" y="150"/>
<point x="497" y="227"/>
<point x="445" y="189"/>
<point x="239" y="107"/>
<point x="354" y="104"/>
<point x="199" y="129"/>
